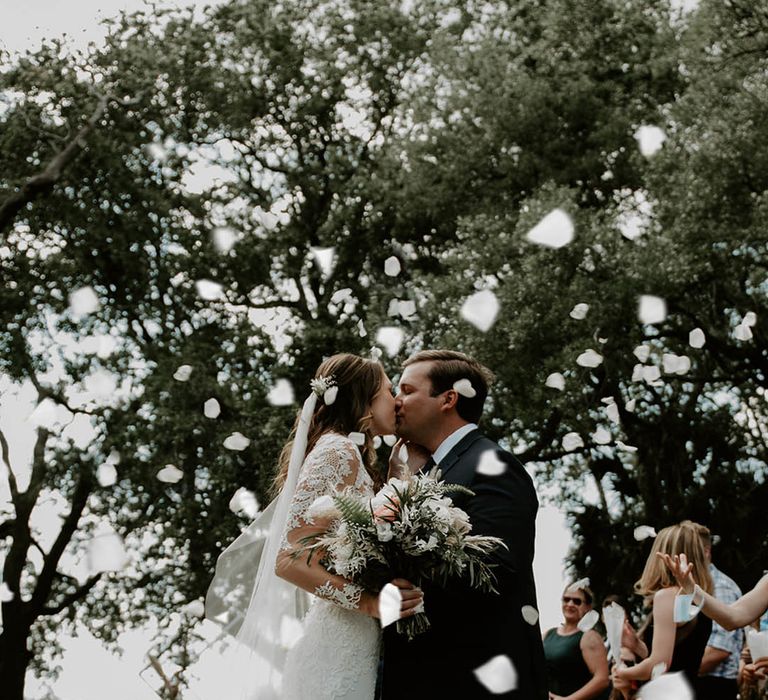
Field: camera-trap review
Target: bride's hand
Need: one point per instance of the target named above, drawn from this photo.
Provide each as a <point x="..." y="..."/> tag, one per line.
<point x="681" y="570"/>
<point x="411" y="600"/>
<point x="417" y="458"/>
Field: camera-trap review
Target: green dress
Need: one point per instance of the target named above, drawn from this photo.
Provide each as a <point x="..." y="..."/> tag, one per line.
<point x="566" y="669"/>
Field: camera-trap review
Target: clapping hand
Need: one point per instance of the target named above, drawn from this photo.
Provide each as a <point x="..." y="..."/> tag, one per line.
<point x="755" y="671"/>
<point x="681" y="570"/>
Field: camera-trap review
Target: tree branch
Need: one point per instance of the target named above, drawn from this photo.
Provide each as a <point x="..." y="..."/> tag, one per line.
<point x="44" y="181"/>
<point x="73" y="597"/>
<point x="11" y="476"/>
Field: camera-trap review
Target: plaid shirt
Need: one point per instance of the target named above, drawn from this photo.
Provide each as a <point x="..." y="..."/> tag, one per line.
<point x="727" y="591"/>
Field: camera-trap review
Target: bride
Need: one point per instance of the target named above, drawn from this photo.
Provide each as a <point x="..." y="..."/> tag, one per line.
<point x="336" y="656"/>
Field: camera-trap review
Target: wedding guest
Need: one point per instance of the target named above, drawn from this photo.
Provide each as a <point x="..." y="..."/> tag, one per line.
<point x="679" y="647"/>
<point x="720" y="666"/>
<point x="577" y="664"/>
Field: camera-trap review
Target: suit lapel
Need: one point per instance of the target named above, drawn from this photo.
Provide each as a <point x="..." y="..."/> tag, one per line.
<point x="451" y="459"/>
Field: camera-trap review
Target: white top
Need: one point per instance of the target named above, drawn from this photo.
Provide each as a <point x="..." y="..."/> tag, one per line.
<point x="451" y="441"/>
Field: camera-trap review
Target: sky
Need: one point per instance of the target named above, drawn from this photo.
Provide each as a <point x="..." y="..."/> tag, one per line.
<point x="88" y="670"/>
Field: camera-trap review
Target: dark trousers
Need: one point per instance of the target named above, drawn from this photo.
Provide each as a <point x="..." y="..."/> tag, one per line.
<point x="716" y="688"/>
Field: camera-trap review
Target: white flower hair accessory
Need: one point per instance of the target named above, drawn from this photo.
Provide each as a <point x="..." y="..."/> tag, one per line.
<point x="325" y="388"/>
<point x="465" y="388"/>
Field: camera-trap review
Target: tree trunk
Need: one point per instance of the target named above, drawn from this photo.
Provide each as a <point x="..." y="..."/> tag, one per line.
<point x="14" y="657"/>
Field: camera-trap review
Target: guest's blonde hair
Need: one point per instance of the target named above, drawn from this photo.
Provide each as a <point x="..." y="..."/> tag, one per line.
<point x="683" y="538"/>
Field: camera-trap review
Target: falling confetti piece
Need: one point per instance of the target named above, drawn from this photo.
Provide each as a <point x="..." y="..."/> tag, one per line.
<point x="750" y="319"/>
<point x="209" y="290"/>
<point x="658" y="670"/>
<point x="555" y="381"/>
<point x="602" y="436"/>
<point x="357" y="438"/>
<point x="742" y="332"/>
<point x="480" y="309"/>
<point x="389" y="605"/>
<point x="555" y="230"/>
<point x="651" y="309"/>
<point x="325" y="259"/>
<point x="330" y="394"/>
<point x="465" y="388"/>
<point x="183" y="373"/>
<point x="642" y="352"/>
<point x="579" y="585"/>
<point x="530" y="614"/>
<point x="589" y="358"/>
<point x="612" y="411"/>
<point x="670" y="686"/>
<point x="291" y="631"/>
<point x="106" y="552"/>
<point x="376" y="354"/>
<point x="649" y="139"/>
<point x="498" y="675"/>
<point x="106" y="474"/>
<point x="406" y="308"/>
<point x="237" y="442"/>
<point x="579" y="312"/>
<point x="390" y="338"/>
<point x="245" y="502"/>
<point x="194" y="608"/>
<point x="589" y="620"/>
<point x="376" y="442"/>
<point x="170" y="474"/>
<point x="625" y="447"/>
<point x="572" y="441"/>
<point x="389" y="439"/>
<point x="651" y="374"/>
<point x="224" y="239"/>
<point x="696" y="338"/>
<point x="281" y="394"/>
<point x="630" y="405"/>
<point x="643" y="532"/>
<point x="490" y="464"/>
<point x="211" y="408"/>
<point x="83" y="301"/>
<point x="392" y="266"/>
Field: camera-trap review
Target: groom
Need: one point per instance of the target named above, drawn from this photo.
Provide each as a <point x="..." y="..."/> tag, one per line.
<point x="468" y="627"/>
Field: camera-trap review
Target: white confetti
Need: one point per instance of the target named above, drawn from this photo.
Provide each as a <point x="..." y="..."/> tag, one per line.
<point x="651" y="374"/>
<point x="211" y="408"/>
<point x="245" y="502"/>
<point x="83" y="301"/>
<point x="530" y="614"/>
<point x="555" y="381"/>
<point x="658" y="670"/>
<point x="480" y="309"/>
<point x="392" y="266"/>
<point x="649" y="139"/>
<point x="357" y="438"/>
<point x="629" y="407"/>
<point x="106" y="552"/>
<point x="589" y="358"/>
<point x="209" y="290"/>
<point x="237" y="442"/>
<point x="675" y="364"/>
<point x="291" y="631"/>
<point x="589" y="620"/>
<point x="498" y="675"/>
<point x="696" y="338"/>
<point x="224" y="238"/>
<point x="602" y="436"/>
<point x="376" y="442"/>
<point x="330" y="394"/>
<point x="742" y="332"/>
<point x="555" y="230"/>
<point x="490" y="464"/>
<point x="579" y="312"/>
<point x="183" y="373"/>
<point x="579" y="585"/>
<point x="651" y="309"/>
<point x="465" y="388"/>
<point x="757" y="643"/>
<point x="325" y="259"/>
<point x="750" y="319"/>
<point x="390" y="338"/>
<point x="390" y="601"/>
<point x="389" y="440"/>
<point x="572" y="441"/>
<point x="625" y="447"/>
<point x="406" y="308"/>
<point x="6" y="594"/>
<point x="670" y="686"/>
<point x="106" y="474"/>
<point x="612" y="411"/>
<point x="195" y="608"/>
<point x="642" y="352"/>
<point x="643" y="532"/>
<point x="281" y="394"/>
<point x="170" y="474"/>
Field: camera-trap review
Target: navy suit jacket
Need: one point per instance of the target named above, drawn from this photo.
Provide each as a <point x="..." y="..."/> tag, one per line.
<point x="469" y="627"/>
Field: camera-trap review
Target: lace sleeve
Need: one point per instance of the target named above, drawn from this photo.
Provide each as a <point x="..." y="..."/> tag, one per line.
<point x="332" y="466"/>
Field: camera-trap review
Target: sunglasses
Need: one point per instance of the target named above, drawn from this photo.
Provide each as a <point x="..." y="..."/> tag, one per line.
<point x="575" y="601"/>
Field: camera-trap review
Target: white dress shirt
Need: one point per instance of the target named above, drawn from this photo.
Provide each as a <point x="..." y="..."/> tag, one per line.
<point x="451" y="441"/>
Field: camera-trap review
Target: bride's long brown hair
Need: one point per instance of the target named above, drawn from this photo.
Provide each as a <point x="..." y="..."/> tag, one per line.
<point x="358" y="380"/>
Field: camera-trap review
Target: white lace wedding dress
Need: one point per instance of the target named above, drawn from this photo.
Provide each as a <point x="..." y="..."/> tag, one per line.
<point x="337" y="657"/>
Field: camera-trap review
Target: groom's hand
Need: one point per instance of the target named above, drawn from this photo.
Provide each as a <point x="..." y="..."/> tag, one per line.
<point x="411" y="597"/>
<point x="417" y="457"/>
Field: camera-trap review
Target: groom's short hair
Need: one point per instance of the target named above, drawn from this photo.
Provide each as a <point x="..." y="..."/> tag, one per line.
<point x="446" y="368"/>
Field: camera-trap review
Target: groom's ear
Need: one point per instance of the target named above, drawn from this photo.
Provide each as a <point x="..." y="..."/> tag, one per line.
<point x="450" y="399"/>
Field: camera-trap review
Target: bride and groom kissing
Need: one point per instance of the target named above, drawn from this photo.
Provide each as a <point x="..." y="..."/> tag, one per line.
<point x="337" y="654"/>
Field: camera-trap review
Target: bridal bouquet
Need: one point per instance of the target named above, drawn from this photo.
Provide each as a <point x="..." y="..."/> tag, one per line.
<point x="410" y="529"/>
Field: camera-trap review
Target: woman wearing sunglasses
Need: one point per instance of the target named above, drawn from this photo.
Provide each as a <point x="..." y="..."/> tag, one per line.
<point x="577" y="664"/>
